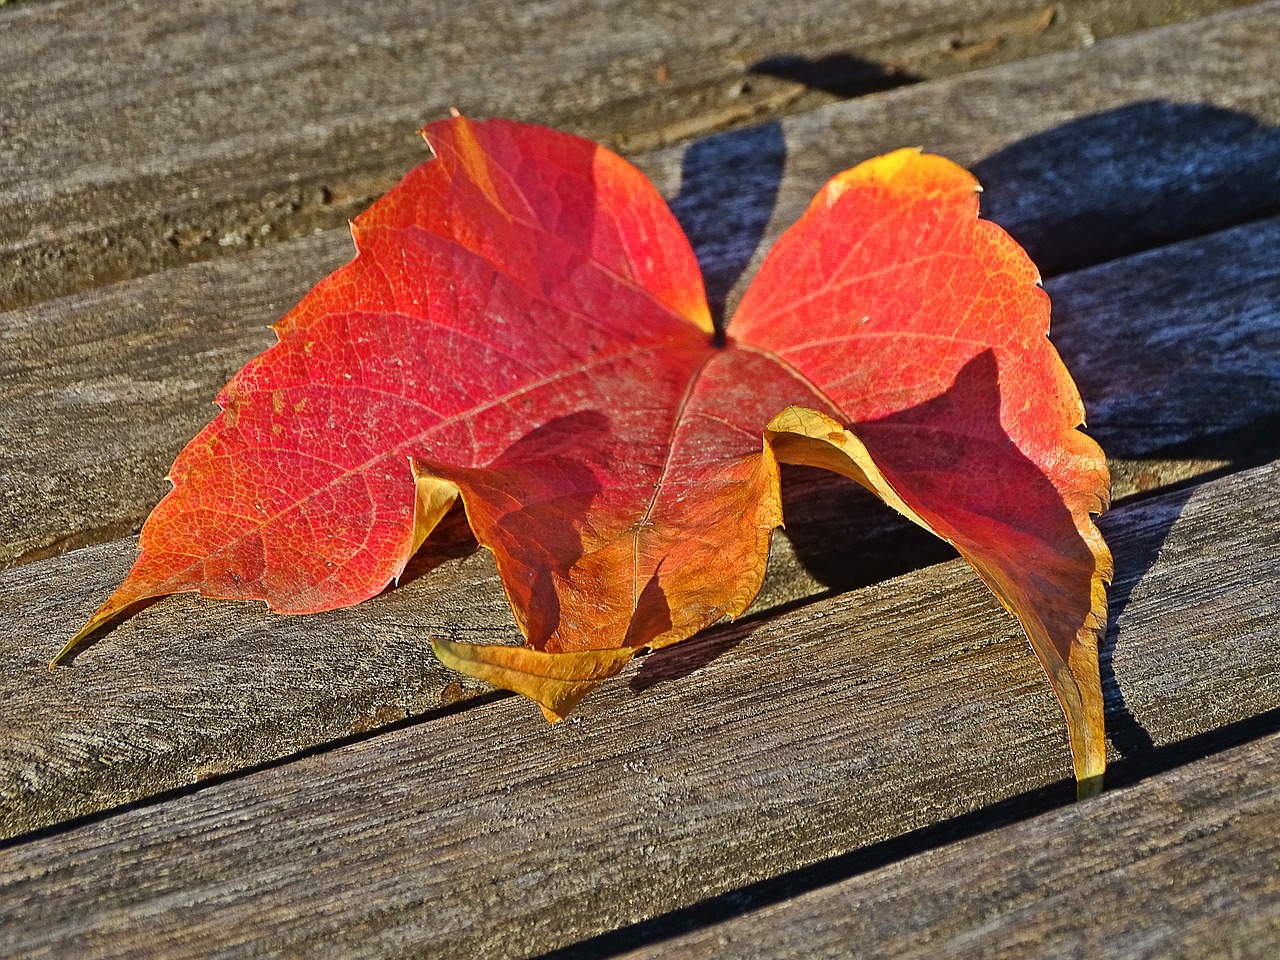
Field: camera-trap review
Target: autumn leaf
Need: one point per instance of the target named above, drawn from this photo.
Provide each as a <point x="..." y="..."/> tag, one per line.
<point x="525" y="327"/>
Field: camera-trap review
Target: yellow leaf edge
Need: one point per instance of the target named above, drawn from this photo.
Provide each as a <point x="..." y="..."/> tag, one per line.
<point x="557" y="682"/>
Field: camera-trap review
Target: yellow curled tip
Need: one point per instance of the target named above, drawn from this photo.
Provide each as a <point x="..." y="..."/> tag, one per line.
<point x="557" y="682"/>
<point x="69" y="647"/>
<point x="1089" y="787"/>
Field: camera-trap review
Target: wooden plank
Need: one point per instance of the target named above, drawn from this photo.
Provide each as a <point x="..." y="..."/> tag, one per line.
<point x="1136" y="331"/>
<point x="757" y="750"/>
<point x="1181" y="865"/>
<point x="98" y="391"/>
<point x="158" y="698"/>
<point x="139" y="137"/>
<point x="1083" y="156"/>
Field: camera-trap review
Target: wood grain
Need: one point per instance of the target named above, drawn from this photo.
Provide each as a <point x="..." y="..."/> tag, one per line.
<point x="138" y="137"/>
<point x="821" y="730"/>
<point x="1182" y="865"/>
<point x="756" y="750"/>
<point x="1145" y="337"/>
<point x="84" y="445"/>
<point x="98" y="391"/>
<point x="1083" y="156"/>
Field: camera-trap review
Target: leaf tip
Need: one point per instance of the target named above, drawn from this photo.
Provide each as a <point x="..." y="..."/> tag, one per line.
<point x="131" y="596"/>
<point x="68" y="648"/>
<point x="1089" y="787"/>
<point x="551" y="715"/>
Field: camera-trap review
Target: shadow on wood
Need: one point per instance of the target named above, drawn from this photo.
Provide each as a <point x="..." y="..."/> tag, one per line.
<point x="1188" y="163"/>
<point x="725" y="233"/>
<point x="789" y="885"/>
<point x="840" y="74"/>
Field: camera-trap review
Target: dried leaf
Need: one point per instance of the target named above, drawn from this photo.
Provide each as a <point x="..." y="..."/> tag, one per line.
<point x="525" y="326"/>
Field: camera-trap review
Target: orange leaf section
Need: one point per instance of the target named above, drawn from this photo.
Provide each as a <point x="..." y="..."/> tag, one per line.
<point x="525" y="326"/>
<point x="924" y="326"/>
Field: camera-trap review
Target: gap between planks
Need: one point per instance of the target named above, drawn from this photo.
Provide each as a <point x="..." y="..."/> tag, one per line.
<point x="751" y="752"/>
<point x="1180" y="865"/>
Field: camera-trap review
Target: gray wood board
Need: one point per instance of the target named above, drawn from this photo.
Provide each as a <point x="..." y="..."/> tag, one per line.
<point x="98" y="391"/>
<point x="751" y="752"/>
<point x="139" y="136"/>
<point x="1084" y="156"/>
<point x="1179" y="866"/>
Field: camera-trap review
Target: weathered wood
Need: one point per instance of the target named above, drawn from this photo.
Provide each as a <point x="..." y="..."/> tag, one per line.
<point x="98" y="391"/>
<point x="1138" y="332"/>
<point x="755" y="751"/>
<point x="477" y="830"/>
<point x="246" y="702"/>
<point x="1083" y="156"/>
<point x="137" y="137"/>
<point x="152" y="712"/>
<point x="1181" y="865"/>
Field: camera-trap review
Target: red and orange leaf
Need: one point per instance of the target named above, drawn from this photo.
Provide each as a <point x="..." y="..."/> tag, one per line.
<point x="925" y="328"/>
<point x="525" y="326"/>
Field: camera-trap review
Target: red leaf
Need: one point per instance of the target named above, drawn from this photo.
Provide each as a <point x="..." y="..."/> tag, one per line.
<point x="525" y="325"/>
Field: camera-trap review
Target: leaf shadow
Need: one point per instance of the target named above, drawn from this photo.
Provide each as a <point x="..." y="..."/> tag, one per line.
<point x="107" y="629"/>
<point x="689" y="656"/>
<point x="1134" y="557"/>
<point x="524" y="501"/>
<point x="452" y="539"/>
<point x="1137" y="540"/>
<point x="715" y="175"/>
<point x="556" y="446"/>
<point x="1105" y="186"/>
<point x="1140" y="176"/>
